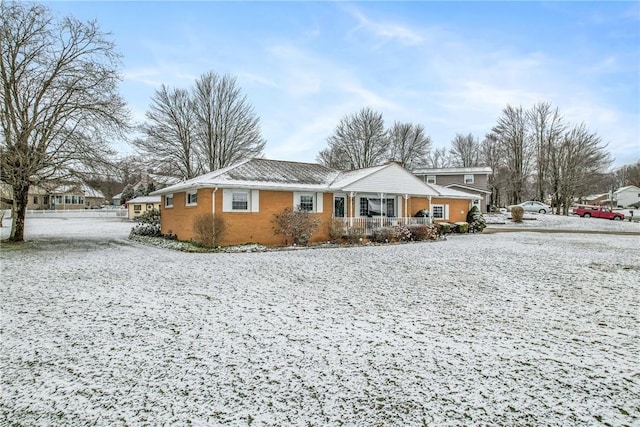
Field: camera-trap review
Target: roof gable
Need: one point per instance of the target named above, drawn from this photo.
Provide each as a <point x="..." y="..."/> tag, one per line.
<point x="389" y="178"/>
<point x="627" y="188"/>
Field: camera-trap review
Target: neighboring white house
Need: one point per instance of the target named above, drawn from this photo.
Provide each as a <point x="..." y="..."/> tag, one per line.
<point x="626" y="196"/>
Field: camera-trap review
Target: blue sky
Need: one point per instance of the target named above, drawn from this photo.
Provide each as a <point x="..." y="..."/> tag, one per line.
<point x="450" y="66"/>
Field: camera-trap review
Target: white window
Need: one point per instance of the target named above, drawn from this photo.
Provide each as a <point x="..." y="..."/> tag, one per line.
<point x="137" y="208"/>
<point x="306" y="202"/>
<point x="192" y="198"/>
<point x="431" y="179"/>
<point x="468" y="179"/>
<point x="440" y="211"/>
<point x="168" y="201"/>
<point x="240" y="201"/>
<point x="311" y="202"/>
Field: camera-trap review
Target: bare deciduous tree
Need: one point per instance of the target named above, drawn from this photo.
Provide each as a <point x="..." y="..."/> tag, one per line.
<point x="439" y="158"/>
<point x="362" y="138"/>
<point x="60" y="105"/>
<point x="547" y="128"/>
<point x="465" y="151"/>
<point x="515" y="148"/>
<point x="335" y="158"/>
<point x="578" y="155"/>
<point x="408" y="144"/>
<point x="227" y="128"/>
<point x="169" y="142"/>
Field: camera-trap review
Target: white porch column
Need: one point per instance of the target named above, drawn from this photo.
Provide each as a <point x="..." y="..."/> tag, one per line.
<point x="406" y="201"/>
<point x="381" y="201"/>
<point x="351" y="197"/>
<point x="430" y="210"/>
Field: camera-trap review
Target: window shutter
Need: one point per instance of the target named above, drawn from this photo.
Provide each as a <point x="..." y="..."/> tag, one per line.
<point x="446" y="211"/>
<point x="296" y="200"/>
<point x="227" y="195"/>
<point x="319" y="200"/>
<point x="255" y="200"/>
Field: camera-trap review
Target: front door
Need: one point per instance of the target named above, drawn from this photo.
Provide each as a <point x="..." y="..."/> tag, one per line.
<point x="339" y="203"/>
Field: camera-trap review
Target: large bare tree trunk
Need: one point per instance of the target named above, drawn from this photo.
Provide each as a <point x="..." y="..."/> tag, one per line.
<point x="20" y="201"/>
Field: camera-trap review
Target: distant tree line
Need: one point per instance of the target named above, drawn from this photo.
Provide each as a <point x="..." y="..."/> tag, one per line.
<point x="534" y="153"/>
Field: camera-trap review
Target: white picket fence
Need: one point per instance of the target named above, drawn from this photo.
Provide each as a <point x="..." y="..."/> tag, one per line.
<point x="73" y="213"/>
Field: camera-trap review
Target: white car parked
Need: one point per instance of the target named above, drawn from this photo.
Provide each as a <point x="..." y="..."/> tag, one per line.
<point x="534" y="206"/>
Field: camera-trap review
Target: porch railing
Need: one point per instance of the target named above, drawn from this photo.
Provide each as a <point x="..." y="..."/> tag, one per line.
<point x="370" y="224"/>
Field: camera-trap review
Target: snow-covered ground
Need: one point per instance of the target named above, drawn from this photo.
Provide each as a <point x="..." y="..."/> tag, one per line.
<point x="559" y="222"/>
<point x="481" y="329"/>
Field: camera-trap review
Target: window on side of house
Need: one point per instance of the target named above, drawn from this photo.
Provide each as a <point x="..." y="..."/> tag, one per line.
<point x="168" y="201"/>
<point x="431" y="179"/>
<point x="240" y="201"/>
<point x="137" y="208"/>
<point x="67" y="200"/>
<point x="468" y="179"/>
<point x="306" y="202"/>
<point x="438" y="211"/>
<point x="192" y="198"/>
<point x="35" y="199"/>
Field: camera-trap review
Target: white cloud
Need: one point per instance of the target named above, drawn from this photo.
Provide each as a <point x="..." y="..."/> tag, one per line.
<point x="388" y="30"/>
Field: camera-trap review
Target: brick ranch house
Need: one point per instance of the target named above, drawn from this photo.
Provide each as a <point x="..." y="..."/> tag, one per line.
<point x="248" y="194"/>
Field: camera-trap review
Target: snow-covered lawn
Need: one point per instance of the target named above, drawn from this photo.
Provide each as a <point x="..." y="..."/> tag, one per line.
<point x="486" y="329"/>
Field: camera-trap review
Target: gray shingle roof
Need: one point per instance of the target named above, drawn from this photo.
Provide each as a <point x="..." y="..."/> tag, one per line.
<point x="276" y="171"/>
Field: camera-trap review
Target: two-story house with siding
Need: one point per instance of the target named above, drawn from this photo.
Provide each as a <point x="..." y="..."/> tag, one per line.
<point x="472" y="180"/>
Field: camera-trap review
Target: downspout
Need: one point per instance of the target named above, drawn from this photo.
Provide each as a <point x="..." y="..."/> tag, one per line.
<point x="213" y="201"/>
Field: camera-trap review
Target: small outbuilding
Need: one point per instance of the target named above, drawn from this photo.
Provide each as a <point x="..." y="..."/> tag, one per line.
<point x="139" y="205"/>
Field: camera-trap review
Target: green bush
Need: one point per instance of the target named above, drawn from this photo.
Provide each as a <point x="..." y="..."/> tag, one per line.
<point x="476" y="220"/>
<point x="461" y="227"/>
<point x="150" y="217"/>
<point x="517" y="213"/>
<point x="152" y="230"/>
<point x="445" y="227"/>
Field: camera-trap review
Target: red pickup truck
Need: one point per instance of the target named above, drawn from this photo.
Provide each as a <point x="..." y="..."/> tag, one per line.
<point x="597" y="212"/>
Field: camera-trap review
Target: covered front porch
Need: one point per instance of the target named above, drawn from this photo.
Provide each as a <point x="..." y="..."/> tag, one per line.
<point x="369" y="211"/>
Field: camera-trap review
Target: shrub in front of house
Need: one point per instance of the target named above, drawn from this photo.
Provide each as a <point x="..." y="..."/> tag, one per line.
<point x="208" y="229"/>
<point x="444" y="227"/>
<point x="383" y="234"/>
<point x="421" y="232"/>
<point x="295" y="226"/>
<point x="476" y="220"/>
<point x="336" y="230"/>
<point x="355" y="234"/>
<point x="151" y="216"/>
<point x="151" y="230"/>
<point x="517" y="213"/>
<point x="461" y="227"/>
